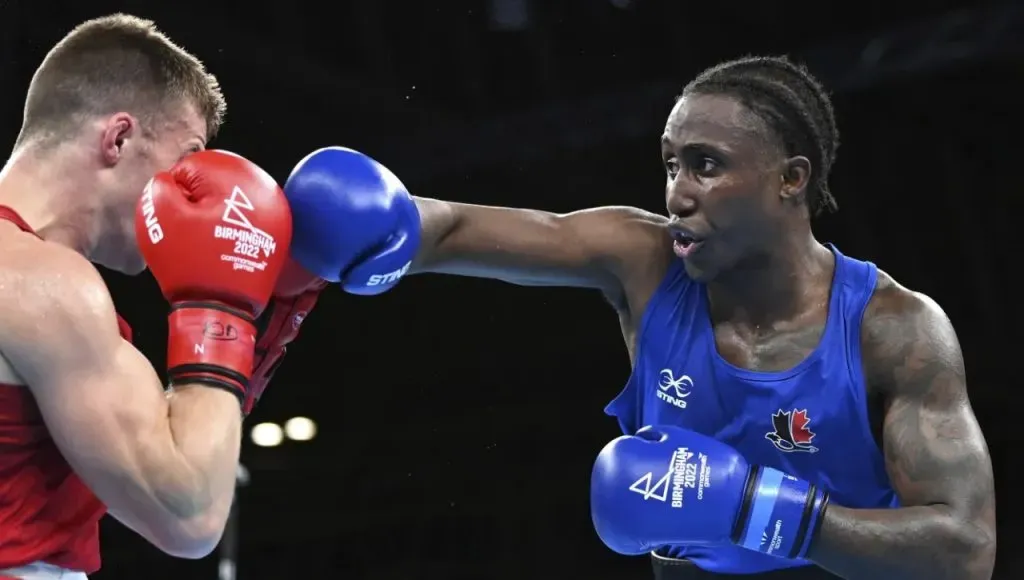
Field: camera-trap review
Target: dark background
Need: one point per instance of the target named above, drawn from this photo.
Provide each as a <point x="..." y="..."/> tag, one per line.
<point x="459" y="418"/>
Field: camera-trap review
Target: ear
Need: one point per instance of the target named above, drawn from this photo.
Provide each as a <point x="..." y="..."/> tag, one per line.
<point x="117" y="131"/>
<point x="796" y="174"/>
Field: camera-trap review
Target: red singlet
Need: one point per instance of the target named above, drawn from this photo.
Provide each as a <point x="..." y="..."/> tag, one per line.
<point x="46" y="513"/>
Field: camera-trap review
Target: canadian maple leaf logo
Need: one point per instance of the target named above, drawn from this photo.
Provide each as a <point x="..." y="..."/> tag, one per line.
<point x="801" y="434"/>
<point x="790" y="431"/>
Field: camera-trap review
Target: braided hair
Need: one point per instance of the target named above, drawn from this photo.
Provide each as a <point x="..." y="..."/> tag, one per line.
<point x="793" y="104"/>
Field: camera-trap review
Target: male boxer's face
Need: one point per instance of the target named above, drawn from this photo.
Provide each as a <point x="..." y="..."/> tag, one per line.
<point x="722" y="184"/>
<point x="144" y="152"/>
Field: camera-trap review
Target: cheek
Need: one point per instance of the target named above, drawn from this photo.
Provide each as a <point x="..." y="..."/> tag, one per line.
<point x="160" y="156"/>
<point x="755" y="195"/>
<point x="156" y="162"/>
<point x="731" y="199"/>
<point x="131" y="186"/>
<point x="163" y="160"/>
<point x="737" y="210"/>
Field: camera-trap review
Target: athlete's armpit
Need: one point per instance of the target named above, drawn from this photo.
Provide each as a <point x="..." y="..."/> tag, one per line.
<point x="935" y="455"/>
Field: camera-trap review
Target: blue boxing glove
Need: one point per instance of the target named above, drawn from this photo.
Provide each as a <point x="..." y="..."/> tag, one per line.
<point x="671" y="486"/>
<point x="355" y="223"/>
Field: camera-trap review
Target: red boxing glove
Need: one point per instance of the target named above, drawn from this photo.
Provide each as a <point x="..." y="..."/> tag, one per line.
<point x="215" y="231"/>
<point x="294" y="296"/>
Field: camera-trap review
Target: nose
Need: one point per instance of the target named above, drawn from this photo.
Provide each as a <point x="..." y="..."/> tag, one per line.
<point x="678" y="201"/>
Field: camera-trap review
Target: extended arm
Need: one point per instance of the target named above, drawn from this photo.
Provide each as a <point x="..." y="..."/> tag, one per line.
<point x="594" y="248"/>
<point x="935" y="454"/>
<point x="163" y="464"/>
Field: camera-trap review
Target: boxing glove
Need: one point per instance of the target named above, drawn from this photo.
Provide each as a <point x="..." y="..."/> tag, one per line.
<point x="294" y="296"/>
<point x="671" y="486"/>
<point x="355" y="222"/>
<point x="215" y="231"/>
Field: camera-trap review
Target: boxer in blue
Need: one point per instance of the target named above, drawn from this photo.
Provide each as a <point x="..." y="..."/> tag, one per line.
<point x="792" y="412"/>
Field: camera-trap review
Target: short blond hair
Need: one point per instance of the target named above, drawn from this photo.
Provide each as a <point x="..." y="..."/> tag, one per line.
<point x="117" y="63"/>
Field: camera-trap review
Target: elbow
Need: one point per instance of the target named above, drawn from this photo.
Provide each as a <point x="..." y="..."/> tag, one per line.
<point x="976" y="541"/>
<point x="978" y="560"/>
<point x="193" y="539"/>
<point x="188" y="550"/>
<point x="982" y="550"/>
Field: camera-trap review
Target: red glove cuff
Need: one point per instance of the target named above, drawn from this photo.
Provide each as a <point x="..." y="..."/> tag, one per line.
<point x="211" y="344"/>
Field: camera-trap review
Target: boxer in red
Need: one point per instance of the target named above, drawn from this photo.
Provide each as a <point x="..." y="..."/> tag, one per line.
<point x="85" y="425"/>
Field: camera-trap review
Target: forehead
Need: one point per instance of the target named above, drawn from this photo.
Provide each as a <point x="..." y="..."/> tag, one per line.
<point x="713" y="120"/>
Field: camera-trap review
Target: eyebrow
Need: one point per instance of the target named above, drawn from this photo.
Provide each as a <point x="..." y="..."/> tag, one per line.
<point x="695" y="146"/>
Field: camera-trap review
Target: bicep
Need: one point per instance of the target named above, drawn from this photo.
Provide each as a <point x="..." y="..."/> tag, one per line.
<point x="99" y="397"/>
<point x="585" y="248"/>
<point x="104" y="417"/>
<point x="935" y="452"/>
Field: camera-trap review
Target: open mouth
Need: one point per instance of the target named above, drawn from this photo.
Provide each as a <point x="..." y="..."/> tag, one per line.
<point x="685" y="244"/>
<point x="683" y="238"/>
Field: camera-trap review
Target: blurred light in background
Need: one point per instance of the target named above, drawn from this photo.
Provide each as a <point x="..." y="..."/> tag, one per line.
<point x="271" y="434"/>
<point x="300" y="429"/>
<point x="267" y="434"/>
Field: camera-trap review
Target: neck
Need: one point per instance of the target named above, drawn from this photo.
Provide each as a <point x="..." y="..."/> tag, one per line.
<point x="775" y="286"/>
<point x="46" y="191"/>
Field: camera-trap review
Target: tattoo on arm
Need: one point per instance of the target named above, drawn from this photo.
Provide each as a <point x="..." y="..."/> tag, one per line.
<point x="935" y="455"/>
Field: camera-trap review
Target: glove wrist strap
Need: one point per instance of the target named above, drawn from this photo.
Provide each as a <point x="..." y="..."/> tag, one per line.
<point x="211" y="344"/>
<point x="780" y="514"/>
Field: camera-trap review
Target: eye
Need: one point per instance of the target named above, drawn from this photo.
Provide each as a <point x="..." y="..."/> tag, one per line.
<point x="190" y="151"/>
<point x="672" y="167"/>
<point x="706" y="165"/>
<point x="702" y="164"/>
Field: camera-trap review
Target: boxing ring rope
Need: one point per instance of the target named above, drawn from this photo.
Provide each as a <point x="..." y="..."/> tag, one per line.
<point x="228" y="550"/>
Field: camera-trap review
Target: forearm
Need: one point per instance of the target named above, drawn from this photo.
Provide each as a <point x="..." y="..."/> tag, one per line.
<point x="206" y="429"/>
<point x="438" y="219"/>
<point x="925" y="542"/>
<point x="186" y="480"/>
<point x="203" y="412"/>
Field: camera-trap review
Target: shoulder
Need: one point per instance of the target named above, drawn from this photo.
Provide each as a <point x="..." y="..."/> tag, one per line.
<point x="51" y="293"/>
<point x="895" y="306"/>
<point x="645" y="231"/>
<point x="642" y="247"/>
<point x="636" y="244"/>
<point x="904" y="335"/>
<point x="622" y="231"/>
<point x="634" y="218"/>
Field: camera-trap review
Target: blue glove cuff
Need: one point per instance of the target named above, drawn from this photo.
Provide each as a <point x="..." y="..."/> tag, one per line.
<point x="780" y="515"/>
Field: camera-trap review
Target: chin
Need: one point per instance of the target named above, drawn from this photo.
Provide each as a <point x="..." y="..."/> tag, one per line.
<point x="134" y="270"/>
<point x="128" y="265"/>
<point x="134" y="267"/>
<point x="697" y="273"/>
<point x="704" y="265"/>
